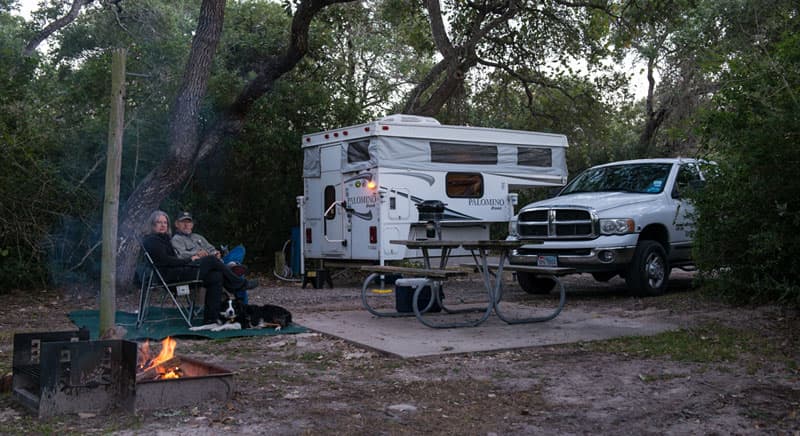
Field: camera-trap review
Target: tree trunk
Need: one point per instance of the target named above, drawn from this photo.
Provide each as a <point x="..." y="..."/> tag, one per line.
<point x="186" y="148"/>
<point x="179" y="162"/>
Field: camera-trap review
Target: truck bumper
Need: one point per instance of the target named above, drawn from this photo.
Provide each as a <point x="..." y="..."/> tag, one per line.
<point x="587" y="256"/>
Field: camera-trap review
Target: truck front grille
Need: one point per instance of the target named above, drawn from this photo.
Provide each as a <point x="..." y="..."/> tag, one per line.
<point x="557" y="223"/>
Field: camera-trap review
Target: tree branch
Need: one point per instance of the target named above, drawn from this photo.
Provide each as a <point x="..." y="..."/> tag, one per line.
<point x="232" y="122"/>
<point x="55" y="26"/>
<point x="438" y="31"/>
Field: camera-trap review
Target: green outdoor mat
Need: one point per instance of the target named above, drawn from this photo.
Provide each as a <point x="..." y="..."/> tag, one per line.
<point x="163" y="322"/>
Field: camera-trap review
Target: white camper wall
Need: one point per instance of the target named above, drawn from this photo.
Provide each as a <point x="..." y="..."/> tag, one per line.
<point x="400" y="160"/>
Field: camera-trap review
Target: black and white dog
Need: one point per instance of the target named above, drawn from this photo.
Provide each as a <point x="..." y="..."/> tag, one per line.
<point x="238" y="315"/>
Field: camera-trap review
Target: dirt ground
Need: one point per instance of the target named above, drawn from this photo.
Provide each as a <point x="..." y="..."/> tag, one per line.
<point x="314" y="384"/>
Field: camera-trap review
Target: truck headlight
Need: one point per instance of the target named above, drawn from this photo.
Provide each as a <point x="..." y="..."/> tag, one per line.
<point x="616" y="226"/>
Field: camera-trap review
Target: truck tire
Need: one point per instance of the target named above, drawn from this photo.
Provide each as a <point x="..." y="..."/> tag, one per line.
<point x="533" y="284"/>
<point x="648" y="273"/>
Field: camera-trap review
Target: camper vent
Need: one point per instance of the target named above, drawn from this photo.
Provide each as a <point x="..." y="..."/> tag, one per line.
<point x="408" y="119"/>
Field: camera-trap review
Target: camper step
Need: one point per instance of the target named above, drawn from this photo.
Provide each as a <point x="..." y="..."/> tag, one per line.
<point x="418" y="272"/>
<point x="543" y="270"/>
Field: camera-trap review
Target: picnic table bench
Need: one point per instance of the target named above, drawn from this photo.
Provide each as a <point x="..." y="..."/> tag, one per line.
<point x="427" y="272"/>
<point x="431" y="278"/>
<point x="543" y="270"/>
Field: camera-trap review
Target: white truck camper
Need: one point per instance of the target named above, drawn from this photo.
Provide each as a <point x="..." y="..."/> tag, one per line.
<point x="362" y="184"/>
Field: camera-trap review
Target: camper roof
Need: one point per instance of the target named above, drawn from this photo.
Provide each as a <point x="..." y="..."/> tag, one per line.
<point x="413" y="126"/>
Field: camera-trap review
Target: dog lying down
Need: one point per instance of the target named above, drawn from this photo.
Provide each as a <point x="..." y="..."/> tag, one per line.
<point x="238" y="315"/>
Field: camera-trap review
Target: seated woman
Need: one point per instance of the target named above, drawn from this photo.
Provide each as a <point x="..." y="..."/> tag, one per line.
<point x="214" y="274"/>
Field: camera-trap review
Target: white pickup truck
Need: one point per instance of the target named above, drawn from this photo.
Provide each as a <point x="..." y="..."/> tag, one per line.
<point x="628" y="218"/>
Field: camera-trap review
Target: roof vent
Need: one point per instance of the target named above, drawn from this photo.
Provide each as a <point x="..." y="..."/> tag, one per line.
<point x="409" y="119"/>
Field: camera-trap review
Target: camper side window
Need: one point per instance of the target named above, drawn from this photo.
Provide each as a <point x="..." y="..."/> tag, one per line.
<point x="534" y="157"/>
<point x="357" y="151"/>
<point x="463" y="153"/>
<point x="464" y="185"/>
<point x="330" y="198"/>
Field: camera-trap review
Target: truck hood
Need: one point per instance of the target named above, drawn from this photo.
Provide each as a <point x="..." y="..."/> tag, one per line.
<point x="600" y="201"/>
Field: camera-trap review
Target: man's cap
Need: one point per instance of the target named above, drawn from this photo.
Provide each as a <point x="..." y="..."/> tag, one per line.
<point x="184" y="216"/>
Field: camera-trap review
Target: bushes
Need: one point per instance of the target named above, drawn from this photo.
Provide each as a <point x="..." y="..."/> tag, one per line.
<point x="749" y="217"/>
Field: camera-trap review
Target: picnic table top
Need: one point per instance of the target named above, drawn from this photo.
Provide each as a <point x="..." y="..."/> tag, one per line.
<point x="469" y="245"/>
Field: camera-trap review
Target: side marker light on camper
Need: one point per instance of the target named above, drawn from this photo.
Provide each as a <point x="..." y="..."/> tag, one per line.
<point x="373" y="235"/>
<point x="344" y="133"/>
<point x="371" y="184"/>
<point x="335" y="134"/>
<point x="384" y="127"/>
<point x="308" y="235"/>
<point x="327" y="136"/>
<point x="366" y="129"/>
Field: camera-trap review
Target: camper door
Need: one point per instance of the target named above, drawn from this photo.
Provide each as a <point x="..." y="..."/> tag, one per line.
<point x="335" y="236"/>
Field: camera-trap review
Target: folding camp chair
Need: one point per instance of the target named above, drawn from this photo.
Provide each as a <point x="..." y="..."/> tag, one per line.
<point x="181" y="293"/>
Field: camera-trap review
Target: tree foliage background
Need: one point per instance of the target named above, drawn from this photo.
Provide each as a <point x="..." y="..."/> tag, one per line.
<point x="749" y="216"/>
<point x="721" y="82"/>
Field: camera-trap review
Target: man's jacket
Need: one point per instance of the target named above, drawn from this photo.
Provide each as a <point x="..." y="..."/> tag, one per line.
<point x="188" y="245"/>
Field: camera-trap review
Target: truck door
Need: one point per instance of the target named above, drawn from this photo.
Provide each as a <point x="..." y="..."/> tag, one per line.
<point x="335" y="236"/>
<point x="687" y="180"/>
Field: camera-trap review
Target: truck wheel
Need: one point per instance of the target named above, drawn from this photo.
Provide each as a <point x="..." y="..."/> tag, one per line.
<point x="533" y="284"/>
<point x="649" y="270"/>
<point x="603" y="276"/>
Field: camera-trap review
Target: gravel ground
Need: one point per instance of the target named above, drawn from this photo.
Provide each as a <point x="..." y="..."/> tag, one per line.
<point x="314" y="384"/>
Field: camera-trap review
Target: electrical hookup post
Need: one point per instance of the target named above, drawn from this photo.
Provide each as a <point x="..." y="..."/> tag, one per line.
<point x="301" y="202"/>
<point x="318" y="277"/>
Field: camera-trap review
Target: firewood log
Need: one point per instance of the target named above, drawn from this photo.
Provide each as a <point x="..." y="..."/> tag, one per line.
<point x="153" y="373"/>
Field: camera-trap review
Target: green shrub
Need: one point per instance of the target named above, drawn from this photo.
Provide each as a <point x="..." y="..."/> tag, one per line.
<point x="747" y="240"/>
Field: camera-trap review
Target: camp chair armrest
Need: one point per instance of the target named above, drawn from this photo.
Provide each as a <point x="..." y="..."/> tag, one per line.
<point x="186" y="282"/>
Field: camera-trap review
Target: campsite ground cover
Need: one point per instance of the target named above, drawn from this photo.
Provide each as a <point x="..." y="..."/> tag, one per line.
<point x="728" y="370"/>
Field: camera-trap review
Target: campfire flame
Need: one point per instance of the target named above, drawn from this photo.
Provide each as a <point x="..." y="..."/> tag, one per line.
<point x="167" y="353"/>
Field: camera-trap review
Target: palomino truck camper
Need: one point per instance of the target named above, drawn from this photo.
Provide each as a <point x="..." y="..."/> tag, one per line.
<point x="363" y="183"/>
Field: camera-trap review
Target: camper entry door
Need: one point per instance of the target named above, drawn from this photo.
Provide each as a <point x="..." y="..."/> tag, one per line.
<point x="335" y="237"/>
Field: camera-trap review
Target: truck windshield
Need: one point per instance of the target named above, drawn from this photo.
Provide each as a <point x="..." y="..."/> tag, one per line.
<point x="646" y="178"/>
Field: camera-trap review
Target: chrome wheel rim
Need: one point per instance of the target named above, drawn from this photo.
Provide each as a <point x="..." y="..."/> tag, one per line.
<point x="656" y="270"/>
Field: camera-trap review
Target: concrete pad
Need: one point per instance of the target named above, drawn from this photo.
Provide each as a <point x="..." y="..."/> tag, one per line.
<point x="408" y="338"/>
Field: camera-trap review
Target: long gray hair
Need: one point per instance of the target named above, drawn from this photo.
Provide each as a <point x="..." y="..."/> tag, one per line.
<point x="151" y="222"/>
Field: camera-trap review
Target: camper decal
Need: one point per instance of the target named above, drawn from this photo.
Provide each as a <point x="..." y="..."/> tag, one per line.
<point x="365" y="176"/>
<point x="426" y="177"/>
<point x="367" y="216"/>
<point x="494" y="203"/>
<point x="543" y="180"/>
<point x="368" y="200"/>
<point x="449" y="214"/>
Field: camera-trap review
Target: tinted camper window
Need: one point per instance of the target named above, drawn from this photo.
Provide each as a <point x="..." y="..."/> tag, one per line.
<point x="330" y="198"/>
<point x="358" y="151"/>
<point x="463" y="153"/>
<point x="464" y="185"/>
<point x="534" y="157"/>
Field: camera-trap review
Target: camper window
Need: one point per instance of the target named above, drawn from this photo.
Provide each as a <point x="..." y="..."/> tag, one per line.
<point x="463" y="153"/>
<point x="358" y="151"/>
<point x="464" y="185"/>
<point x="330" y="198"/>
<point x="534" y="157"/>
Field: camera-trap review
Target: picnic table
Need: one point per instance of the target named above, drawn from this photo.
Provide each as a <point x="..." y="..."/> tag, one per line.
<point x="434" y="272"/>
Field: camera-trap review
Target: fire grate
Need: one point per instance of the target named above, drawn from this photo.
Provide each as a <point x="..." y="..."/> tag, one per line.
<point x="200" y="382"/>
<point x="64" y="372"/>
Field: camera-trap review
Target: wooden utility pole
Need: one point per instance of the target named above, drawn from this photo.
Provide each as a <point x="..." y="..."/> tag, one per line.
<point x="108" y="271"/>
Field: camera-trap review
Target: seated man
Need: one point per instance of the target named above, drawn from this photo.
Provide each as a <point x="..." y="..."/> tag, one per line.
<point x="188" y="244"/>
